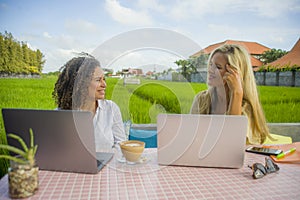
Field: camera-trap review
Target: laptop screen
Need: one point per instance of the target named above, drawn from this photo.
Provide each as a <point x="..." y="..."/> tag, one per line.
<point x="65" y="138"/>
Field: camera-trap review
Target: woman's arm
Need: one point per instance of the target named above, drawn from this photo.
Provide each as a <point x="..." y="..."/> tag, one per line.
<point x="235" y="104"/>
<point x="234" y="83"/>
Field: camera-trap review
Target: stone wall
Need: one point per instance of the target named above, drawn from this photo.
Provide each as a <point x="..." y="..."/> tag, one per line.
<point x="199" y="77"/>
<point x="287" y="78"/>
<point x="5" y="75"/>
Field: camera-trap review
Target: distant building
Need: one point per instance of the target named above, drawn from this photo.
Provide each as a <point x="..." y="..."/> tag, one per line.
<point x="137" y="72"/>
<point x="255" y="50"/>
<point x="107" y="71"/>
<point x="149" y="73"/>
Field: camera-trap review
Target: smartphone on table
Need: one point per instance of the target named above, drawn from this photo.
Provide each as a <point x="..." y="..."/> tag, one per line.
<point x="263" y="150"/>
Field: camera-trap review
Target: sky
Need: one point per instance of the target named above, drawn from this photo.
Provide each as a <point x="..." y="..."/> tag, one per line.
<point x="147" y="34"/>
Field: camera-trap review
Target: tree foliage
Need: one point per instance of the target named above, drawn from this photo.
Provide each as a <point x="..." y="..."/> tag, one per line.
<point x="272" y="55"/>
<point x="191" y="65"/>
<point x="16" y="57"/>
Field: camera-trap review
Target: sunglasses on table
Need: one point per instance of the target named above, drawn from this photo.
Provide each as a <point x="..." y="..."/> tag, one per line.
<point x="260" y="170"/>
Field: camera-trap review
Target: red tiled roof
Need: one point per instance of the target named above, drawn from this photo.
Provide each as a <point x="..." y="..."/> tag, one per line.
<point x="253" y="48"/>
<point x="255" y="62"/>
<point x="291" y="59"/>
<point x="149" y="73"/>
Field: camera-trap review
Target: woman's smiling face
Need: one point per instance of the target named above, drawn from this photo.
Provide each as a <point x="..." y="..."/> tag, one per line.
<point x="217" y="69"/>
<point x="98" y="85"/>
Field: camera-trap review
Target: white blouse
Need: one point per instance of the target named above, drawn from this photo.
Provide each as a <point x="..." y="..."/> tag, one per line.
<point x="108" y="124"/>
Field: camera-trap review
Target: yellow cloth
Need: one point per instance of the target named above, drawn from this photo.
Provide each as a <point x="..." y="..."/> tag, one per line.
<point x="279" y="139"/>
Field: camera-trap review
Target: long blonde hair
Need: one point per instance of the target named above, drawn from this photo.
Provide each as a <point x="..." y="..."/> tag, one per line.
<point x="239" y="58"/>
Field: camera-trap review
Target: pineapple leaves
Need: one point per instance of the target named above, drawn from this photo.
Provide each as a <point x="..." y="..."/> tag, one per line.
<point x="31" y="138"/>
<point x="28" y="152"/>
<point x="18" y="160"/>
<point x="13" y="149"/>
<point x="20" y="140"/>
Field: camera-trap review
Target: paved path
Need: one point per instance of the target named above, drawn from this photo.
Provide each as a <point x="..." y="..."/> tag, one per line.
<point x="286" y="129"/>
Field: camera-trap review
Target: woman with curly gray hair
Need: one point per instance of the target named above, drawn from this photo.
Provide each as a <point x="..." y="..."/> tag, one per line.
<point x="81" y="85"/>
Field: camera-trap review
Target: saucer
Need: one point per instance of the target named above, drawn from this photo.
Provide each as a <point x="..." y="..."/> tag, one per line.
<point x="142" y="160"/>
<point x="121" y="160"/>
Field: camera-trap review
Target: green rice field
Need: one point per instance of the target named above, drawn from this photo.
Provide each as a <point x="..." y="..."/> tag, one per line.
<point x="141" y="103"/>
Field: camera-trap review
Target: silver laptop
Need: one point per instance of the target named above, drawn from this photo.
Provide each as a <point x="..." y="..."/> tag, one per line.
<point x="65" y="138"/>
<point x="201" y="140"/>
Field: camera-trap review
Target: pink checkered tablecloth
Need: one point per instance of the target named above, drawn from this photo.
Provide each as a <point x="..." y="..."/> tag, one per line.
<point x="151" y="181"/>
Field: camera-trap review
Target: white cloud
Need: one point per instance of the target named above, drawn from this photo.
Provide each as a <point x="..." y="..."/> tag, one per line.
<point x="3" y="6"/>
<point x="47" y="35"/>
<point x="32" y="47"/>
<point x="55" y="58"/>
<point x="204" y="21"/>
<point x="126" y="15"/>
<point x="224" y="29"/>
<point x="63" y="41"/>
<point x="80" y="26"/>
<point x="151" y="5"/>
<point x="59" y="49"/>
<point x="269" y="8"/>
<point x="197" y="9"/>
<point x="145" y="59"/>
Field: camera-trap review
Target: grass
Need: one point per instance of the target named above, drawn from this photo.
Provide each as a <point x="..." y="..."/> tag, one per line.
<point x="141" y="103"/>
<point x="281" y="104"/>
<point x="27" y="93"/>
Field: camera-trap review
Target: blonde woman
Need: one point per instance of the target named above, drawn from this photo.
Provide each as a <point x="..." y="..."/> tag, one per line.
<point x="232" y="90"/>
